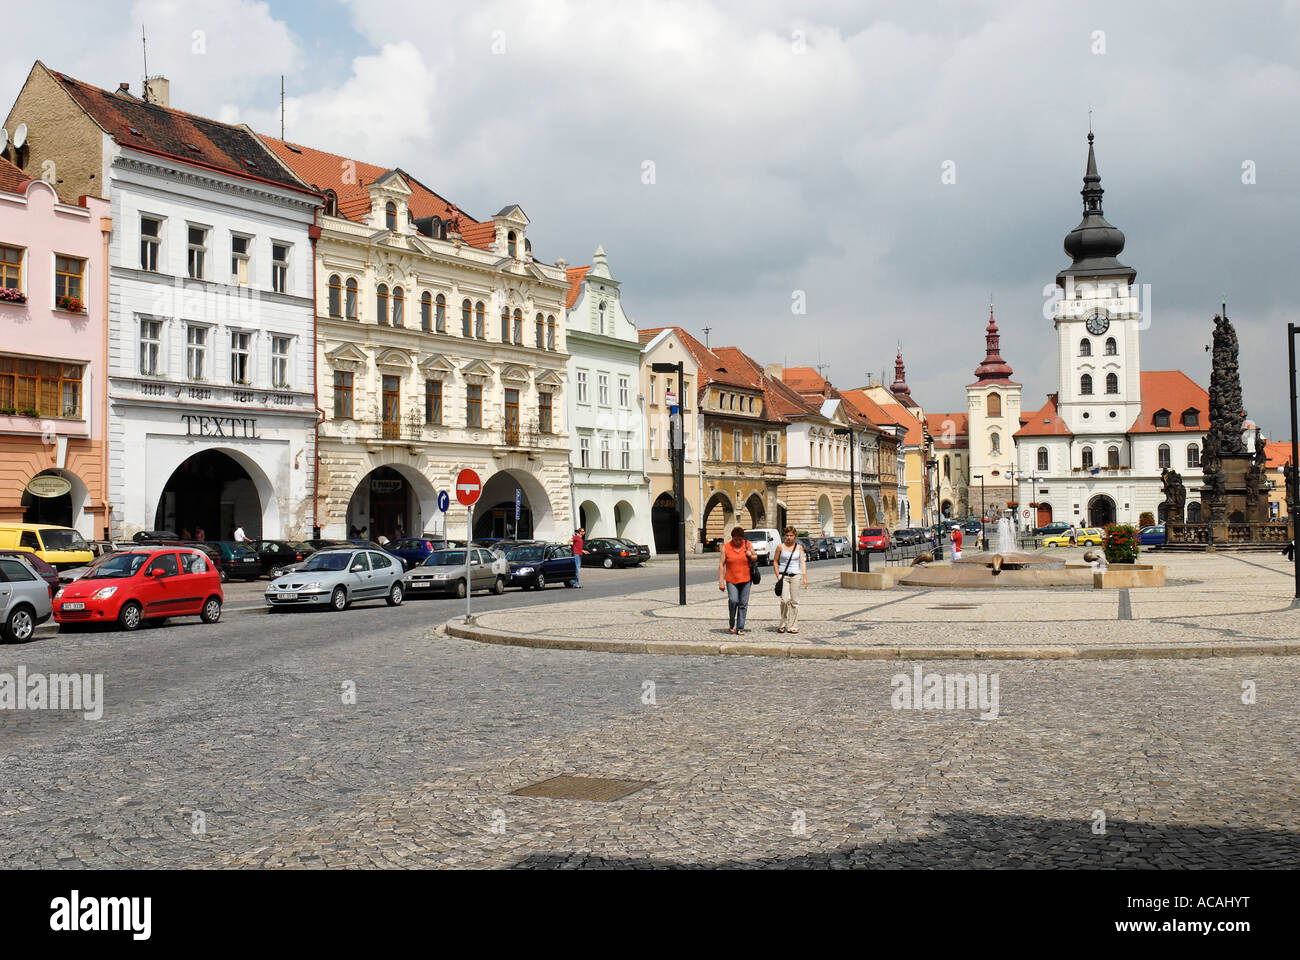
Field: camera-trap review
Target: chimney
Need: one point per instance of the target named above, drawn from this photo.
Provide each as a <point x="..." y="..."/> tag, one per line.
<point x="124" y="88"/>
<point x="157" y="90"/>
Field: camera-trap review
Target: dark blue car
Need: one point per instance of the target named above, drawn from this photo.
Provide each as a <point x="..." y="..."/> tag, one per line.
<point x="413" y="552"/>
<point x="1152" y="536"/>
<point x="535" y="565"/>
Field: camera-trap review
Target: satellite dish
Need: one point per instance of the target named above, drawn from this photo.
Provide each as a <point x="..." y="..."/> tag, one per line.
<point x="4" y="139"/>
<point x="20" y="135"/>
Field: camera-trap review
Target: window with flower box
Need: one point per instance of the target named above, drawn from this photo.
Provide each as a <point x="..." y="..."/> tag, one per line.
<point x="40" y="388"/>
<point x="69" y="277"/>
<point x="11" y="274"/>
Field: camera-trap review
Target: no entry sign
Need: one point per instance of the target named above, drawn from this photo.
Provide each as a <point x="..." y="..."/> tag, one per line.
<point x="468" y="487"/>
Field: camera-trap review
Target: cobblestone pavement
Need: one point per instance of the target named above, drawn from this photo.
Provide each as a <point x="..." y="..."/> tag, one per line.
<point x="245" y="722"/>
<point x="1221" y="599"/>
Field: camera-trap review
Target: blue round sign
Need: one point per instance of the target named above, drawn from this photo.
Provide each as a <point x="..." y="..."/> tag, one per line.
<point x="444" y="501"/>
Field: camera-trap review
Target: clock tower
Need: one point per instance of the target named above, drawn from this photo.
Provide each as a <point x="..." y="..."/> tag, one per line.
<point x="1097" y="320"/>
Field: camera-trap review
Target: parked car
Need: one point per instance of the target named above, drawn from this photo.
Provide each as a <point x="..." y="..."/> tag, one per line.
<point x="1051" y="529"/>
<point x="60" y="547"/>
<point x="1152" y="536"/>
<point x="642" y="550"/>
<point x="276" y="555"/>
<point x="239" y="561"/>
<point x="43" y="569"/>
<point x="875" y="539"/>
<point x="809" y="548"/>
<point x="609" y="553"/>
<point x="841" y="546"/>
<point x="972" y="526"/>
<point x="825" y="551"/>
<point x="101" y="547"/>
<point x="534" y="565"/>
<point x="24" y="599"/>
<point x="1085" y="537"/>
<point x="338" y="577"/>
<point x="443" y="571"/>
<point x="764" y="540"/>
<point x="413" y="551"/>
<point x="143" y="583"/>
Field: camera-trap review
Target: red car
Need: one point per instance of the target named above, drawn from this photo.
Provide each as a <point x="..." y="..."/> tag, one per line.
<point x="144" y="583"/>
<point x="874" y="538"/>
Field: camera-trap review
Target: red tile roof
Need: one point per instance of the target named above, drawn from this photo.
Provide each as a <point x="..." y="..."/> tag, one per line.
<point x="12" y="179"/>
<point x="576" y="275"/>
<point x="804" y="379"/>
<point x="1278" y="453"/>
<point x="1043" y="423"/>
<point x="1174" y="391"/>
<point x="886" y="415"/>
<point x="712" y="367"/>
<point x="937" y="423"/>
<point x="351" y="180"/>
<point x="191" y="139"/>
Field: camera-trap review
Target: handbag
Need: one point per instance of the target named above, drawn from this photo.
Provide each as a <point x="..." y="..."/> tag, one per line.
<point x="755" y="576"/>
<point x="780" y="581"/>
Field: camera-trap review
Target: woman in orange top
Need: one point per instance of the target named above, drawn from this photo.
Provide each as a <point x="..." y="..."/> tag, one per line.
<point x="733" y="577"/>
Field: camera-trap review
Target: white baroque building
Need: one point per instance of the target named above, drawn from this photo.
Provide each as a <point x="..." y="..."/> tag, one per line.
<point x="1093" y="454"/>
<point x="606" y="409"/>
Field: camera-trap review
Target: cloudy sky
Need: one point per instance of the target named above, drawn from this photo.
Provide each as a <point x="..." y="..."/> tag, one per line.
<point x="795" y="147"/>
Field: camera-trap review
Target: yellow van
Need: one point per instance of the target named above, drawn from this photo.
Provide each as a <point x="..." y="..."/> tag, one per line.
<point x="60" y="547"/>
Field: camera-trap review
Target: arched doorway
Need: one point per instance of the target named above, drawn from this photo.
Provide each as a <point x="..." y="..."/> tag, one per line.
<point x="946" y="509"/>
<point x="494" y="514"/>
<point x="664" y="524"/>
<point x="825" y="518"/>
<point x="873" y="512"/>
<point x="757" y="512"/>
<point x="623" y="514"/>
<point x="589" y="518"/>
<point x="213" y="492"/>
<point x="392" y="501"/>
<point x="1044" y="514"/>
<point x="847" y="506"/>
<point x="719" y="516"/>
<point x="64" y="508"/>
<point x="1101" y="511"/>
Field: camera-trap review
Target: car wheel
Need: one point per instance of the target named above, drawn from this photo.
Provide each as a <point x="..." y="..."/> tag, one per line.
<point x="1051" y="546"/>
<point x="541" y="581"/>
<point x="395" y="595"/>
<point x="609" y="563"/>
<point x="20" y="625"/>
<point x="339" y="599"/>
<point x="460" y="589"/>
<point x="130" y="616"/>
<point x="211" y="610"/>
<point x="500" y="586"/>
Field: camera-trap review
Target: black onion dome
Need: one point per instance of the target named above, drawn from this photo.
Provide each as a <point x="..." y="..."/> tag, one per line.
<point x="1094" y="244"/>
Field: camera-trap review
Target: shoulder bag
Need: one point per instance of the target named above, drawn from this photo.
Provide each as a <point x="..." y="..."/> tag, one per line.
<point x="780" y="581"/>
<point x="755" y="577"/>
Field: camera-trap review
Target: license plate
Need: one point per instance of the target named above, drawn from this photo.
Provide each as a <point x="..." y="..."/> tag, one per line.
<point x="74" y="606"/>
<point x="288" y="596"/>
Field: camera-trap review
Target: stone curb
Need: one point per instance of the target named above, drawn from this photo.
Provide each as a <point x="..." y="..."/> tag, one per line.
<point x="1137" y="651"/>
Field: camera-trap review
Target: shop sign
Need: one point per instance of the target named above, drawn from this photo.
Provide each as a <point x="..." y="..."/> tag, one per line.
<point x="48" y="485"/>
<point x="226" y="428"/>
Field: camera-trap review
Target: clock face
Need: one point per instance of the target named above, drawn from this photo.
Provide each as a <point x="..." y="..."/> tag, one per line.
<point x="1098" y="323"/>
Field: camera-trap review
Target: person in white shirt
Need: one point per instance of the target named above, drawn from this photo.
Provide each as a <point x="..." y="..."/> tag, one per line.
<point x="790" y="567"/>
<point x="239" y="534"/>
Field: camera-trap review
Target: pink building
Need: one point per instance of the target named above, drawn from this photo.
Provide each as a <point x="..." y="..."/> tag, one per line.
<point x="53" y="344"/>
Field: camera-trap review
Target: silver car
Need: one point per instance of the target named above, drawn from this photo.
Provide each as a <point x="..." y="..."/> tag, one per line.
<point x="443" y="571"/>
<point x="339" y="577"/>
<point x="24" y="600"/>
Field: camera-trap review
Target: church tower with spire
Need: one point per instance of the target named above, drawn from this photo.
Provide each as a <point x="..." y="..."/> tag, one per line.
<point x="993" y="406"/>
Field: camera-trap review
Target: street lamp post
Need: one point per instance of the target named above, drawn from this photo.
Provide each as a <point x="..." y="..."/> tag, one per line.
<point x="933" y="464"/>
<point x="677" y="451"/>
<point x="1291" y="331"/>
<point x="853" y="500"/>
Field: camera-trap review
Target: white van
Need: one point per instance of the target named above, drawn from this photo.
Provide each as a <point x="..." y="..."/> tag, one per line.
<point x="764" y="540"/>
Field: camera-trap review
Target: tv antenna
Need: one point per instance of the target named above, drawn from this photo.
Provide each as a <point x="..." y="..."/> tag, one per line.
<point x="707" y="330"/>
<point x="282" y="106"/>
<point x="144" y="52"/>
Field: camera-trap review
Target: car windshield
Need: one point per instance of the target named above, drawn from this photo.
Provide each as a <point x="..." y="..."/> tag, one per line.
<point x="445" y="558"/>
<point x="63" y="539"/>
<point x="117" y="565"/>
<point x="525" y="554"/>
<point x="872" y="532"/>
<point x="327" y="561"/>
<point x="755" y="535"/>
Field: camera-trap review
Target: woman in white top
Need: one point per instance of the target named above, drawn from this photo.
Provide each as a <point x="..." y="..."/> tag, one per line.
<point x="790" y="565"/>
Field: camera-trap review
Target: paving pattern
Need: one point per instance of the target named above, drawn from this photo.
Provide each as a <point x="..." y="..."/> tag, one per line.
<point x="753" y="762"/>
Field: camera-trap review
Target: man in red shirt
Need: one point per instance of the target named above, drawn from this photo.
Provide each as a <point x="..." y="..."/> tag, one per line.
<point x="577" y="542"/>
<point x="956" y="543"/>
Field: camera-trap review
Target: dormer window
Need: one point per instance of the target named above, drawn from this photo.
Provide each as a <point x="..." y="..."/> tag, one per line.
<point x="1162" y="418"/>
<point x="512" y="245"/>
<point x="1191" y="418"/>
<point x="390" y="215"/>
<point x="331" y="203"/>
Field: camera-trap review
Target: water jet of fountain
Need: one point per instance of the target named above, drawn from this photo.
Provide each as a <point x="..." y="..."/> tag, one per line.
<point x="1006" y="542"/>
